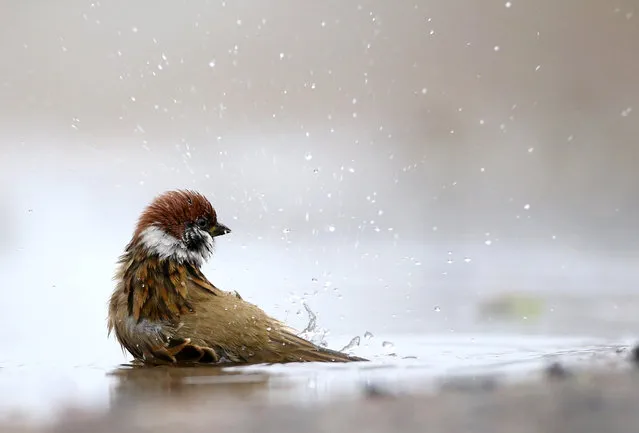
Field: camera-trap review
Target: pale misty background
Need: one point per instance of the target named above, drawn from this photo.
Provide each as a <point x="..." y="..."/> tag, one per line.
<point x="393" y="163"/>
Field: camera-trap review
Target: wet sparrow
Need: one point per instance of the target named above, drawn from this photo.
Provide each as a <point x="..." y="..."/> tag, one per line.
<point x="165" y="311"/>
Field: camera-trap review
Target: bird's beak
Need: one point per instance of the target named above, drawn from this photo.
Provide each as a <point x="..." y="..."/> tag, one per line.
<point x="219" y="230"/>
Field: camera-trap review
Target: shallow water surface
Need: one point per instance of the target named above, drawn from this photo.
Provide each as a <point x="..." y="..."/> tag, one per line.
<point x="410" y="364"/>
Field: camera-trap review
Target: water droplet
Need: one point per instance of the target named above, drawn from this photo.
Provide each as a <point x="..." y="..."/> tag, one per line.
<point x="308" y="156"/>
<point x="281" y="56"/>
<point x="331" y="229"/>
<point x="467" y="259"/>
<point x="488" y="242"/>
<point x="526" y="206"/>
<point x="437" y="309"/>
<point x="368" y="335"/>
<point x="212" y="63"/>
<point x="286" y="230"/>
<point x="387" y="345"/>
<point x="353" y="343"/>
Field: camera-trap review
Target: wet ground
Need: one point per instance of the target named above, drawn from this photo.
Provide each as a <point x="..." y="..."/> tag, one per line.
<point x="592" y="389"/>
<point x="529" y="378"/>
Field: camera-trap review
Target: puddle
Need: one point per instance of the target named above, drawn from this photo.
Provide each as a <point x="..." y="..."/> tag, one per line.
<point x="417" y="364"/>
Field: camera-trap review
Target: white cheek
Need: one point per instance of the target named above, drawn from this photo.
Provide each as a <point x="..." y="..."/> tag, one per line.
<point x="167" y="246"/>
<point x="160" y="242"/>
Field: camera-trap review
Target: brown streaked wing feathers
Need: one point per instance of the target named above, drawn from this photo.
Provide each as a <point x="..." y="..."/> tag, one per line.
<point x="278" y="345"/>
<point x="155" y="295"/>
<point x="214" y="325"/>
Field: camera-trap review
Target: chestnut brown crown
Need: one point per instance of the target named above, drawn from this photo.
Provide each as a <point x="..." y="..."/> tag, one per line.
<point x="179" y="225"/>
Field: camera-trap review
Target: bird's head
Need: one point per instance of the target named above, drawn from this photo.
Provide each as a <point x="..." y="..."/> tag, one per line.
<point x="179" y="225"/>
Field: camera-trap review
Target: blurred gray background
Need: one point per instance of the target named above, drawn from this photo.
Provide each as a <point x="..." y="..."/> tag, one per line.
<point x="392" y="163"/>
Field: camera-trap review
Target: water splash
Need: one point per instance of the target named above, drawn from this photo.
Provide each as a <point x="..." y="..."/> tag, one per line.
<point x="312" y="319"/>
<point x="353" y="343"/>
<point x="312" y="332"/>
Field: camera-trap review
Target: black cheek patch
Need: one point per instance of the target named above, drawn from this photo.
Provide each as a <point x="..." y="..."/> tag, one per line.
<point x="194" y="240"/>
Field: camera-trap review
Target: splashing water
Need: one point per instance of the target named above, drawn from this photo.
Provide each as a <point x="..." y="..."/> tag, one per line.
<point x="312" y="332"/>
<point x="351" y="344"/>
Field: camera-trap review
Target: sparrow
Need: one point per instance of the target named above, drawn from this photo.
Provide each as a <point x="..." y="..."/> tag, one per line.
<point x="165" y="311"/>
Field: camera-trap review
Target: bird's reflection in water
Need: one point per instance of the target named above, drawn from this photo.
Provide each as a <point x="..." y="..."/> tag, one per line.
<point x="135" y="384"/>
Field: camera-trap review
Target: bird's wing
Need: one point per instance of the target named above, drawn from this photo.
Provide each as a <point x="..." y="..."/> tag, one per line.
<point x="223" y="328"/>
<point x="300" y="350"/>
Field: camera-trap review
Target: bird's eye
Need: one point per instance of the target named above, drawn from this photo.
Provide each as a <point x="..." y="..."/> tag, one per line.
<point x="201" y="222"/>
